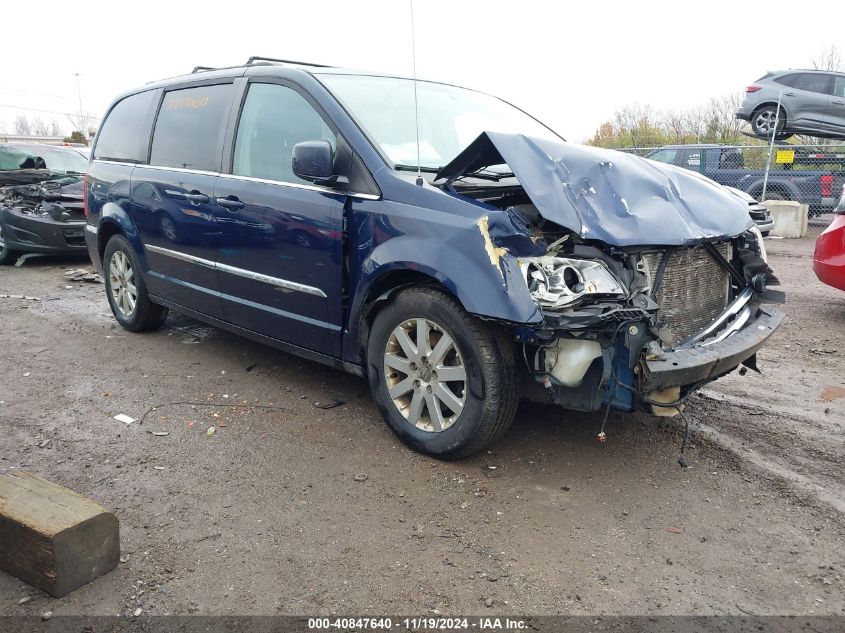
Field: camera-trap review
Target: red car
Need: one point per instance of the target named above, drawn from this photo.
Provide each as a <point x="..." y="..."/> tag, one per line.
<point x="829" y="258"/>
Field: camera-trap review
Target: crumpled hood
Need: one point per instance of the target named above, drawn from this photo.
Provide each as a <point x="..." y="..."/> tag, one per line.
<point x="617" y="198"/>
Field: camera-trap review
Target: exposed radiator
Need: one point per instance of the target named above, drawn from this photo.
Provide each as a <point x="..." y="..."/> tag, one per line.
<point x="694" y="290"/>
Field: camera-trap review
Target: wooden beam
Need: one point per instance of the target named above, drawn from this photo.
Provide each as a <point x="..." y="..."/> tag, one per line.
<point x="52" y="537"/>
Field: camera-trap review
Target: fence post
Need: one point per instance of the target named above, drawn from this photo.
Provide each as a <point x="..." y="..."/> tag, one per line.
<point x="771" y="147"/>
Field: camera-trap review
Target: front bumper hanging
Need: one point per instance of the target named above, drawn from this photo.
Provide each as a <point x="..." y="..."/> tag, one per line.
<point x="708" y="360"/>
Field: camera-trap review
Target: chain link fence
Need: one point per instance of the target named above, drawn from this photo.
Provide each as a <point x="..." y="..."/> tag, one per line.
<point x="810" y="174"/>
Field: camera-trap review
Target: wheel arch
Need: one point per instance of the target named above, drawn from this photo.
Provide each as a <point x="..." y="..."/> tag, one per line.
<point x="384" y="288"/>
<point x="113" y="221"/>
<point x="786" y="114"/>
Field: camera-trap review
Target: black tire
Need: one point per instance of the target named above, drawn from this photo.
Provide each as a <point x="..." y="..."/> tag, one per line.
<point x="7" y="255"/>
<point x="490" y="392"/>
<point x="762" y="121"/>
<point x="144" y="314"/>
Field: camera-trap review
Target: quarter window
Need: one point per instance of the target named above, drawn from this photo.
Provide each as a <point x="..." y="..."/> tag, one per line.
<point x="273" y="120"/>
<point x="125" y="132"/>
<point x="189" y="126"/>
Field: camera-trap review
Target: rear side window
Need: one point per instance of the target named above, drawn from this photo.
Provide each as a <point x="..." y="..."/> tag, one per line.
<point x="839" y="87"/>
<point x="815" y="82"/>
<point x="273" y="120"/>
<point x="124" y="135"/>
<point x="189" y="126"/>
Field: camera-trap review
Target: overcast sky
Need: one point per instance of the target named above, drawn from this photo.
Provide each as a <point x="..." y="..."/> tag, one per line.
<point x="571" y="64"/>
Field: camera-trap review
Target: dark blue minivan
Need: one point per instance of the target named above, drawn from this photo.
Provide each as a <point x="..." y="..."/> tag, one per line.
<point x="437" y="240"/>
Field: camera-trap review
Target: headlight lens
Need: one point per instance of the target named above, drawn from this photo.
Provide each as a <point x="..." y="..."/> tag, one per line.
<point x="560" y="281"/>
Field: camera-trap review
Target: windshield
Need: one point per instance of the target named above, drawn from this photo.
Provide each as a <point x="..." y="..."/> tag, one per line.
<point x="450" y="118"/>
<point x="55" y="159"/>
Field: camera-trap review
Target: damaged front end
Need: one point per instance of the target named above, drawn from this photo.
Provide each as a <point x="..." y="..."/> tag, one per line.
<point x="45" y="216"/>
<point x="650" y="281"/>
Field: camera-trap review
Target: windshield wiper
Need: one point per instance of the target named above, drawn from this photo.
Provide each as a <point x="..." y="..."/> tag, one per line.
<point x="495" y="176"/>
<point x="428" y="170"/>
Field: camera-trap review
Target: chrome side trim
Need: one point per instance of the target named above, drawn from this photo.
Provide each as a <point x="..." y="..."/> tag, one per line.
<point x="181" y="170"/>
<point x="732" y="310"/>
<point x="274" y="281"/>
<point x="299" y="185"/>
<point x="240" y="272"/>
<point x="193" y="259"/>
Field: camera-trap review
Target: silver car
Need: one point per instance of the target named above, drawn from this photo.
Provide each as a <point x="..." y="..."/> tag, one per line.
<point x="812" y="102"/>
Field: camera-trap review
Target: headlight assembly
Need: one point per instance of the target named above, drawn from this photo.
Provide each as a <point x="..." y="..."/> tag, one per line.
<point x="559" y="281"/>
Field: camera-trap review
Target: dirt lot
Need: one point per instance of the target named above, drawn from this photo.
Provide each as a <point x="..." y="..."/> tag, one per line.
<point x="266" y="514"/>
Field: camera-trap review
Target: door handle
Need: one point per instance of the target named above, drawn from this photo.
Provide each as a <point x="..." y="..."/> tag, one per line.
<point x="839" y="103"/>
<point x="789" y="94"/>
<point x="195" y="197"/>
<point x="230" y="203"/>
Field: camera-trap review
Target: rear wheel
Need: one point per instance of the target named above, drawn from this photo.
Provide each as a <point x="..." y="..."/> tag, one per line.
<point x="444" y="381"/>
<point x="127" y="294"/>
<point x="7" y="255"/>
<point x="763" y="122"/>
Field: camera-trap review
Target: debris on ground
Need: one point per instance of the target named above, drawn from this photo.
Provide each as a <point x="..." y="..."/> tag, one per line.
<point x="54" y="538"/>
<point x="832" y="393"/>
<point x="80" y="274"/>
<point x="159" y="433"/>
<point x="122" y="417"/>
<point x="210" y="430"/>
<point x="330" y="405"/>
<point x="24" y="297"/>
<point x="360" y="477"/>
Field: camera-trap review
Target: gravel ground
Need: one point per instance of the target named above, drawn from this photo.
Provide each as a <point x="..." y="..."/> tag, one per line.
<point x="290" y="508"/>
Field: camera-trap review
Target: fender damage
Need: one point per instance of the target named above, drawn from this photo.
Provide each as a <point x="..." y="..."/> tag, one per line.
<point x="650" y="280"/>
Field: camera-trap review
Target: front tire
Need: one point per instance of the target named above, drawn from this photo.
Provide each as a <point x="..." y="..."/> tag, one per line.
<point x="444" y="381"/>
<point x="125" y="288"/>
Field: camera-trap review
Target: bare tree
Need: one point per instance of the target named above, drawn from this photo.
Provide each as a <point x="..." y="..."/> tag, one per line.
<point x="82" y="122"/>
<point x="22" y="125"/>
<point x="723" y="114"/>
<point x="55" y="130"/>
<point x="40" y="127"/>
<point x="830" y="58"/>
<point x="673" y="123"/>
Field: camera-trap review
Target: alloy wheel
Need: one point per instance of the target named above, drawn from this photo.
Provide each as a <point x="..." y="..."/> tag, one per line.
<point x="765" y="121"/>
<point x="425" y="375"/>
<point x="122" y="283"/>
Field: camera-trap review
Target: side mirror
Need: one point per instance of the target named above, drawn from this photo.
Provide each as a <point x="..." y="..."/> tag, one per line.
<point x="314" y="161"/>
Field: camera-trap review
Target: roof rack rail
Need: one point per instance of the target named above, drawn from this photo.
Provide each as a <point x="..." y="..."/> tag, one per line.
<point x="202" y="69"/>
<point x="259" y="58"/>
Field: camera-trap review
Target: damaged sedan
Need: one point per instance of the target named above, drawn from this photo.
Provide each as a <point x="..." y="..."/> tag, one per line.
<point x="41" y="207"/>
<point x="462" y="254"/>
